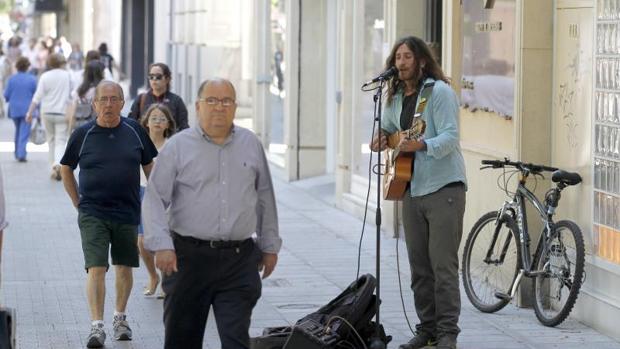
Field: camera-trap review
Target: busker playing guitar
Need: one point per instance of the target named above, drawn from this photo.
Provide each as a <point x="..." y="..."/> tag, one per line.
<point x="434" y="200"/>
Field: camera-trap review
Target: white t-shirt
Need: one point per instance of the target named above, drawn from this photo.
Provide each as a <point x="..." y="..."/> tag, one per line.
<point x="53" y="91"/>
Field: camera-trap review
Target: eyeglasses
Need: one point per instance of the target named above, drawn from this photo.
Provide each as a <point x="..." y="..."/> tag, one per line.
<point x="155" y="77"/>
<point x="158" y="119"/>
<point x="105" y="100"/>
<point x="226" y="102"/>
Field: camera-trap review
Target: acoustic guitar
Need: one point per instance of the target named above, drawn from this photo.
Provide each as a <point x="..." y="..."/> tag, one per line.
<point x="399" y="165"/>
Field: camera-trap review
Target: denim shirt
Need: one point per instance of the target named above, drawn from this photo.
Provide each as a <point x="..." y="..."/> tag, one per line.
<point x="442" y="162"/>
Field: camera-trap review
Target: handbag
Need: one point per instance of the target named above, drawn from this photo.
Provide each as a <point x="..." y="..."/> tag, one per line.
<point x="37" y="132"/>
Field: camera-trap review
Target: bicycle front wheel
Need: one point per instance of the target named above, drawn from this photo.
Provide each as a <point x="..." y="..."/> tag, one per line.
<point x="561" y="265"/>
<point x="491" y="258"/>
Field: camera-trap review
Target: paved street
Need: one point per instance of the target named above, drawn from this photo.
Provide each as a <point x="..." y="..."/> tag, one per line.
<point x="43" y="276"/>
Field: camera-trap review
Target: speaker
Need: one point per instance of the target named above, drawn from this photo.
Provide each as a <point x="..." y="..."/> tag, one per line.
<point x="310" y="334"/>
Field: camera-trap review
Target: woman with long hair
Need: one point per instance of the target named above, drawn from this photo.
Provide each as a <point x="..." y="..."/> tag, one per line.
<point x="81" y="111"/>
<point x="159" y="92"/>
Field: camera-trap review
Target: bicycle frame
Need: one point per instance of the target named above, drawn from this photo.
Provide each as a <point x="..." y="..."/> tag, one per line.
<point x="516" y="207"/>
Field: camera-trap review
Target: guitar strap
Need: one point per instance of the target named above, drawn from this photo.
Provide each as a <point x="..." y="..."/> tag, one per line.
<point x="427" y="90"/>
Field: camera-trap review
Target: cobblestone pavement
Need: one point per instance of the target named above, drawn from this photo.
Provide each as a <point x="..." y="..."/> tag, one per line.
<point x="43" y="276"/>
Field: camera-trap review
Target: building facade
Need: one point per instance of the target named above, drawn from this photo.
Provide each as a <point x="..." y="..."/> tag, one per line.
<point x="538" y="82"/>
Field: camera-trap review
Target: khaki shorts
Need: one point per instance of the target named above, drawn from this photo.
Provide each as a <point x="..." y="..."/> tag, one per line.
<point x="99" y="234"/>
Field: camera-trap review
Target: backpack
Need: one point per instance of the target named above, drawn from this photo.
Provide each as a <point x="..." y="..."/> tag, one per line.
<point x="84" y="110"/>
<point x="329" y="325"/>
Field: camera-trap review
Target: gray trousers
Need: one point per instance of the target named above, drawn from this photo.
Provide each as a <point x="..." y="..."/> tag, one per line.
<point x="433" y="226"/>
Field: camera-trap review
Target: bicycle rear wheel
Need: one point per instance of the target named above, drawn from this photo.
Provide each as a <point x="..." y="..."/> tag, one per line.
<point x="491" y="259"/>
<point x="562" y="262"/>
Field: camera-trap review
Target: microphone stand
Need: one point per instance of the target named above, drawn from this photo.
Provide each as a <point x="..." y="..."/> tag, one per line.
<point x="376" y="342"/>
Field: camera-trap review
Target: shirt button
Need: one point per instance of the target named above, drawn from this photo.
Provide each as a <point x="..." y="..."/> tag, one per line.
<point x="223" y="182"/>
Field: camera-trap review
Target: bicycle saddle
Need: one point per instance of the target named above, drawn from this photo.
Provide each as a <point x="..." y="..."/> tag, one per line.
<point x="567" y="178"/>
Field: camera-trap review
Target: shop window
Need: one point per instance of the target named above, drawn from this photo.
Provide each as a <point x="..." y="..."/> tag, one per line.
<point x="373" y="62"/>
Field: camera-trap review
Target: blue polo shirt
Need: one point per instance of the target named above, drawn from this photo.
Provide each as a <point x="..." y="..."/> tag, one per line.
<point x="110" y="160"/>
<point x="442" y="162"/>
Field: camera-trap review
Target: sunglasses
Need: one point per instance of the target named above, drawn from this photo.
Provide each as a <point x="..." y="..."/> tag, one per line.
<point x="155" y="77"/>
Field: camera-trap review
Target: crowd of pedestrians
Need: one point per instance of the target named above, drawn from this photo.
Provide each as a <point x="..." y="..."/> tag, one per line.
<point x="42" y="78"/>
<point x="210" y="196"/>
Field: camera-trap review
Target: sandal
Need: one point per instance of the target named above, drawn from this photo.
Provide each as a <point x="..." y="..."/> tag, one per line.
<point x="161" y="294"/>
<point x="148" y="291"/>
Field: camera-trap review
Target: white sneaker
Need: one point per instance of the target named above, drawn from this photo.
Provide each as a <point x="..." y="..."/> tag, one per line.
<point x="122" y="332"/>
<point x="96" y="338"/>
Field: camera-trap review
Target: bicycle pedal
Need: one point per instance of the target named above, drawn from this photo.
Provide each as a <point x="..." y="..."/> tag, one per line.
<point x="503" y="296"/>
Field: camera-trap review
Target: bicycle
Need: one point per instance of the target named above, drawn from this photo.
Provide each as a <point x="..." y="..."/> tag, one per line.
<point x="493" y="265"/>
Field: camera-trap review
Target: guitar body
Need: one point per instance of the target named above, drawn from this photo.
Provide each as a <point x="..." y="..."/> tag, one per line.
<point x="398" y="175"/>
<point x="399" y="165"/>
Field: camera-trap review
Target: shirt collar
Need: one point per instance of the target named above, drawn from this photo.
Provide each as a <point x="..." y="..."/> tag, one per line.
<point x="202" y="134"/>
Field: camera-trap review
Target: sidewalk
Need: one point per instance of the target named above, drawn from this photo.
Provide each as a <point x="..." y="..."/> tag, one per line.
<point x="43" y="274"/>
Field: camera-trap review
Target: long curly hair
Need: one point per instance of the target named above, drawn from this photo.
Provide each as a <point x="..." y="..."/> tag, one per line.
<point x="426" y="65"/>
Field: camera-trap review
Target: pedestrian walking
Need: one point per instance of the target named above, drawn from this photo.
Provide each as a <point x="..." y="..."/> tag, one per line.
<point x="159" y="92"/>
<point x="76" y="57"/>
<point x="434" y="203"/>
<point x="158" y="122"/>
<point x="81" y="110"/>
<point x="109" y="62"/>
<point x="18" y="93"/>
<point x="209" y="193"/>
<point x="77" y="76"/>
<point x="110" y="151"/>
<point x="53" y="95"/>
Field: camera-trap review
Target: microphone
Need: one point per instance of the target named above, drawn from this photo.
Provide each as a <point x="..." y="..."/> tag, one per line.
<point x="386" y="75"/>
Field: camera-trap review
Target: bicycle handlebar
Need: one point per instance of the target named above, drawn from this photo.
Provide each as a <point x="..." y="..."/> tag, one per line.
<point x="522" y="166"/>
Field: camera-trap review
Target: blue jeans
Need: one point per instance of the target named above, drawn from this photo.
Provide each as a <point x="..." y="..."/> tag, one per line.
<point x="22" y="132"/>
